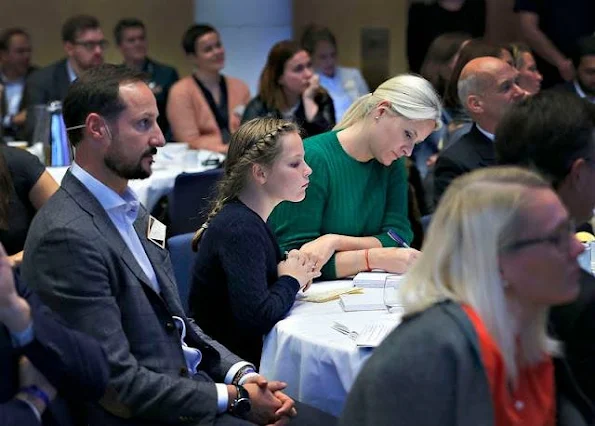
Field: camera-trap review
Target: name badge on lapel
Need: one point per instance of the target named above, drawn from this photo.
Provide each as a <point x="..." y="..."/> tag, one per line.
<point x="156" y="232"/>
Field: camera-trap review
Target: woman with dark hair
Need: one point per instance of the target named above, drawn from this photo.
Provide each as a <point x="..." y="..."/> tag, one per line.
<point x="204" y="109"/>
<point x="344" y="84"/>
<point x="289" y="89"/>
<point x="25" y="186"/>
<point x="242" y="284"/>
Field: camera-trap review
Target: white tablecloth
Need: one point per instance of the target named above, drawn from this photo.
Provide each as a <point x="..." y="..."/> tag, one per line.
<point x="162" y="180"/>
<point x="318" y="363"/>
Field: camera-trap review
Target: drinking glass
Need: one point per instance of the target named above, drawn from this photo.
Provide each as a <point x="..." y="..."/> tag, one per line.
<point x="391" y="294"/>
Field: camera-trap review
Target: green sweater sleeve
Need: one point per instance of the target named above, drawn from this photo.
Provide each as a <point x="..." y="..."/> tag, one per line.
<point x="396" y="212"/>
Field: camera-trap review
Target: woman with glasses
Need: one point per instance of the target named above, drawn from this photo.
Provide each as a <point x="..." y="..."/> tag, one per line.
<point x="289" y="89"/>
<point x="358" y="188"/>
<point x="473" y="347"/>
<point x="204" y="109"/>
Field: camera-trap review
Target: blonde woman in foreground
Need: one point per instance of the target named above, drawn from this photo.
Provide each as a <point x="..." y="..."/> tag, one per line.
<point x="473" y="348"/>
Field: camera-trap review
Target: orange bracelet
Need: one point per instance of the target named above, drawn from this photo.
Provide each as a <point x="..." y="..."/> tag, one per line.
<point x="367" y="260"/>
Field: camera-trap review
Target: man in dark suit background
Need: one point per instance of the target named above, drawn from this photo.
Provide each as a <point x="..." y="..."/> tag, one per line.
<point x="487" y="87"/>
<point x="583" y="84"/>
<point x="131" y="38"/>
<point x="41" y="361"/>
<point x="552" y="133"/>
<point x="15" y="66"/>
<point x="98" y="259"/>
<point x="84" y="45"/>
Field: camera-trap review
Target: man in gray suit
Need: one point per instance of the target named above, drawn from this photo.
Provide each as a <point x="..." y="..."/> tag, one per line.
<point x="96" y="257"/>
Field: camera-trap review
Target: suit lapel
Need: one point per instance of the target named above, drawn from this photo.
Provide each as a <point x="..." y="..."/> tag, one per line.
<point x="83" y="197"/>
<point x="484" y="147"/>
<point x="159" y="258"/>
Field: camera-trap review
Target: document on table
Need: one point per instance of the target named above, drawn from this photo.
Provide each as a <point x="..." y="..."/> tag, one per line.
<point x="374" y="333"/>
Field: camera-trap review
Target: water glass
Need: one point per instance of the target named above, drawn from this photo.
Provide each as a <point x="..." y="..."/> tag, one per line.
<point x="391" y="293"/>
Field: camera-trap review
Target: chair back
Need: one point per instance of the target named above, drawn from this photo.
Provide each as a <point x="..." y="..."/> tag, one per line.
<point x="188" y="202"/>
<point x="182" y="258"/>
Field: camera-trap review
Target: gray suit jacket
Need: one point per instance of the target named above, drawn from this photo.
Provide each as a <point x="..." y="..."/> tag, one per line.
<point x="80" y="266"/>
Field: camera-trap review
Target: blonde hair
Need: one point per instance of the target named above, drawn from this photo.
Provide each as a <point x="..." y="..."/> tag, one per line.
<point x="410" y="96"/>
<point x="481" y="214"/>
<point x="255" y="142"/>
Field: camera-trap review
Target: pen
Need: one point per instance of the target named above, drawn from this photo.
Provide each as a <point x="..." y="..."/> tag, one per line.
<point x="395" y="237"/>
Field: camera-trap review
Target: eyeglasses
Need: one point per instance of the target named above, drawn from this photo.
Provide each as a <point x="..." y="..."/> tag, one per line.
<point x="560" y="239"/>
<point x="91" y="45"/>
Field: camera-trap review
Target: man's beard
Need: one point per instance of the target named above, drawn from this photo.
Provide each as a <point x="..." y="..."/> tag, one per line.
<point x="128" y="171"/>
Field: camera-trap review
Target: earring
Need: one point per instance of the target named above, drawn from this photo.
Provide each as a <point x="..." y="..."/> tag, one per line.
<point x="376" y="118"/>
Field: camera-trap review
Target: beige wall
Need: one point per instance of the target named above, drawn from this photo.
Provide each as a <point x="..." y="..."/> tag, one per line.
<point x="166" y="21"/>
<point x="346" y="18"/>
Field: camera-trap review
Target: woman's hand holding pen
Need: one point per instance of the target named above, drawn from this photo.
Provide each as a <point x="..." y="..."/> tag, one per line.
<point x="299" y="266"/>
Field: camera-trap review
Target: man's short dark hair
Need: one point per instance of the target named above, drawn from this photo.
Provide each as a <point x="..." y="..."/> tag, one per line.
<point x="314" y="34"/>
<point x="124" y="24"/>
<point x="192" y="34"/>
<point x="547" y="133"/>
<point x="7" y="34"/>
<point x="77" y="24"/>
<point x="585" y="46"/>
<point x="97" y="91"/>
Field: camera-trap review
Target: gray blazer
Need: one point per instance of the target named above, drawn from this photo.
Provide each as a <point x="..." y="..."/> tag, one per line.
<point x="429" y="372"/>
<point x="80" y="266"/>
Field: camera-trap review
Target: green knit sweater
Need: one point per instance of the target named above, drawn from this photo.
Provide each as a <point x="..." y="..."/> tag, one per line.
<point x="345" y="197"/>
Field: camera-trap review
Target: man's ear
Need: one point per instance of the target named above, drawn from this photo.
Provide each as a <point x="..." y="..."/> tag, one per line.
<point x="474" y="104"/>
<point x="579" y="174"/>
<point x="68" y="48"/>
<point x="259" y="173"/>
<point x="95" y="126"/>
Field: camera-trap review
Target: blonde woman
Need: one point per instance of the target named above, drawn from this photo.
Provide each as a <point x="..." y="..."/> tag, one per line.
<point x="242" y="284"/>
<point x="358" y="188"/>
<point x="473" y="348"/>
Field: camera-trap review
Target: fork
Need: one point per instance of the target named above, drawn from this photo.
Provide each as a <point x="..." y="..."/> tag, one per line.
<point x="343" y="329"/>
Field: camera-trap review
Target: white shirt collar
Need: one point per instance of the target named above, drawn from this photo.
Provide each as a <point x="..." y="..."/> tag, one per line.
<point x="579" y="91"/>
<point x="487" y="134"/>
<point x="107" y="197"/>
<point x="71" y="74"/>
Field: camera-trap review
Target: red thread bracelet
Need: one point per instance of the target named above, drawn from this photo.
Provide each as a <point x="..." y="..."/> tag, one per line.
<point x="367" y="260"/>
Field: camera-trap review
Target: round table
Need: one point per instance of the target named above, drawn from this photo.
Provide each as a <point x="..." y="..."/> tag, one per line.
<point x="318" y="363"/>
<point x="167" y="166"/>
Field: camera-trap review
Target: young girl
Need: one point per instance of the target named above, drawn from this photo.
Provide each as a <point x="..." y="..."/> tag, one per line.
<point x="241" y="283"/>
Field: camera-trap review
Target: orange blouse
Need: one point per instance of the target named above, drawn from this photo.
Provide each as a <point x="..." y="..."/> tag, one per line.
<point x="191" y="118"/>
<point x="533" y="401"/>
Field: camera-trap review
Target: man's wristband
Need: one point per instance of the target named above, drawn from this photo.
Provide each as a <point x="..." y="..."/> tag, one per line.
<point x="36" y="392"/>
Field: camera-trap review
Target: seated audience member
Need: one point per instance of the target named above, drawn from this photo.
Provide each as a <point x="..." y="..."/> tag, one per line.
<point x="42" y="362"/>
<point x="473" y="347"/>
<point x="429" y="19"/>
<point x="205" y="108"/>
<point x="487" y="87"/>
<point x="472" y="50"/>
<point x="94" y="258"/>
<point x="25" y="186"/>
<point x="289" y="89"/>
<point x="583" y="83"/>
<point x="242" y="284"/>
<point x="343" y="84"/>
<point x="131" y="38"/>
<point x="15" y="66"/>
<point x="529" y="76"/>
<point x="84" y="45"/>
<point x="358" y="186"/>
<point x="552" y="133"/>
<point x="437" y="68"/>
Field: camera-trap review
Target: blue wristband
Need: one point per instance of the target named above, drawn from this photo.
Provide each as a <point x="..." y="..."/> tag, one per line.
<point x="35" y="391"/>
